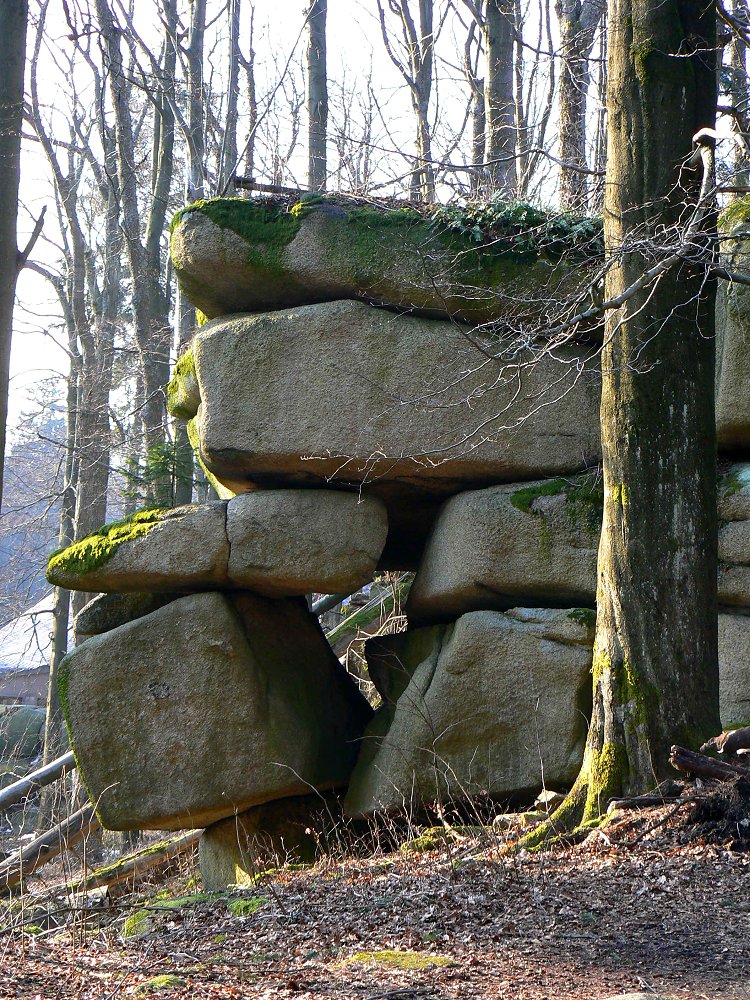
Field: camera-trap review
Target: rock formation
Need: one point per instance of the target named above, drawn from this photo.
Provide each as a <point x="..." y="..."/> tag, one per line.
<point x="359" y="402"/>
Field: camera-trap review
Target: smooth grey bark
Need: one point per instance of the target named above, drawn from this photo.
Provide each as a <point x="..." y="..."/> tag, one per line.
<point x="149" y="305"/>
<point x="499" y="98"/>
<point x="196" y="102"/>
<point x="13" y="19"/>
<point x="228" y="158"/>
<point x="248" y="64"/>
<point x="317" y="96"/>
<point x="416" y="68"/>
<point x="579" y="20"/>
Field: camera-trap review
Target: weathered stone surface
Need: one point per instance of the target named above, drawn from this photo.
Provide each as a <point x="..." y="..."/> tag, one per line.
<point x="279" y="543"/>
<point x="206" y="707"/>
<point x="233" y="851"/>
<point x="482" y="706"/>
<point x="734" y="670"/>
<point x="734" y="536"/>
<point x="342" y="392"/>
<point x="165" y="550"/>
<point x="733" y="335"/>
<point x="237" y="255"/>
<point x="491" y="548"/>
<point x="108" y="611"/>
<point x="284" y="542"/>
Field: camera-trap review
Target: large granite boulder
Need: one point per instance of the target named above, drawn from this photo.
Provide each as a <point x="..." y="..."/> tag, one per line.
<point x="206" y="707"/>
<point x="154" y="550"/>
<point x="537" y="542"/>
<point x="734" y="670"/>
<point x="278" y="543"/>
<point x="733" y="334"/>
<point x="343" y="393"/>
<point x="286" y="542"/>
<point x="495" y="704"/>
<point x="526" y="542"/>
<point x="734" y="536"/>
<point x="240" y="255"/>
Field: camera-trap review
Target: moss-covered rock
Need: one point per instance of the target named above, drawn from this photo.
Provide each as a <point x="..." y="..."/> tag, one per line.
<point x="279" y="543"/>
<point x="522" y="543"/>
<point x="250" y="255"/>
<point x="733" y="333"/>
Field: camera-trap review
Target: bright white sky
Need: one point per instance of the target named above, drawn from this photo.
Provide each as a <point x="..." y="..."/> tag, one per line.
<point x="355" y="49"/>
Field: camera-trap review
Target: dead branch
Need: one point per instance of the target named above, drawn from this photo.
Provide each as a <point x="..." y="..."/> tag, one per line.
<point x="47" y="846"/>
<point x="705" y="767"/>
<point x="135" y="864"/>
<point x="37" y="779"/>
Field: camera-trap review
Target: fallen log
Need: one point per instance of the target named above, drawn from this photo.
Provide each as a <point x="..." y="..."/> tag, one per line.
<point x="37" y="779"/>
<point x="135" y="864"/>
<point x="47" y="846"/>
<point x="705" y="767"/>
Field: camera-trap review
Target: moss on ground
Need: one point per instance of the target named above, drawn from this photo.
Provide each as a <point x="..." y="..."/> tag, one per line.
<point x="408" y="961"/>
<point x="436" y="838"/>
<point x="246" y="906"/>
<point x="96" y="549"/>
<point x="158" y="983"/>
<point x="137" y="924"/>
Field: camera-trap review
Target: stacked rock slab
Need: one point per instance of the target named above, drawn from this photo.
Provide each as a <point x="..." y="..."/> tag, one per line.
<point x="204" y="685"/>
<point x="411" y="403"/>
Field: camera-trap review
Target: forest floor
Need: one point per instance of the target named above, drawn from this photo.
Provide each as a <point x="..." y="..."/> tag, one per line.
<point x="656" y="903"/>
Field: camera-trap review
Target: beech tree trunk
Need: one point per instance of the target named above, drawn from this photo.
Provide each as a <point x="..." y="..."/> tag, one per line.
<point x="317" y="97"/>
<point x="499" y="98"/>
<point x="655" y="655"/>
<point x="13" y="17"/>
<point x="578" y="24"/>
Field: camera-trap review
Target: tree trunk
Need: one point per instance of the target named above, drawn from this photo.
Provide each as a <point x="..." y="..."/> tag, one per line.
<point x="228" y="163"/>
<point x="578" y="24"/>
<point x="499" y="98"/>
<point x="317" y="96"/>
<point x="196" y="141"/>
<point x="13" y="17"/>
<point x="655" y="654"/>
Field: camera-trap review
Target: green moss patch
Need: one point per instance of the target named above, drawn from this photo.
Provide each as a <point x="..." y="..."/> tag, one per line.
<point x="158" y="983"/>
<point x="584" y="499"/>
<point x="735" y="214"/>
<point x="137" y="924"/>
<point x="96" y="549"/>
<point x="408" y="961"/>
<point x="436" y="838"/>
<point x="265" y="224"/>
<point x="247" y="906"/>
<point x="183" y="396"/>
<point x="583" y="616"/>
